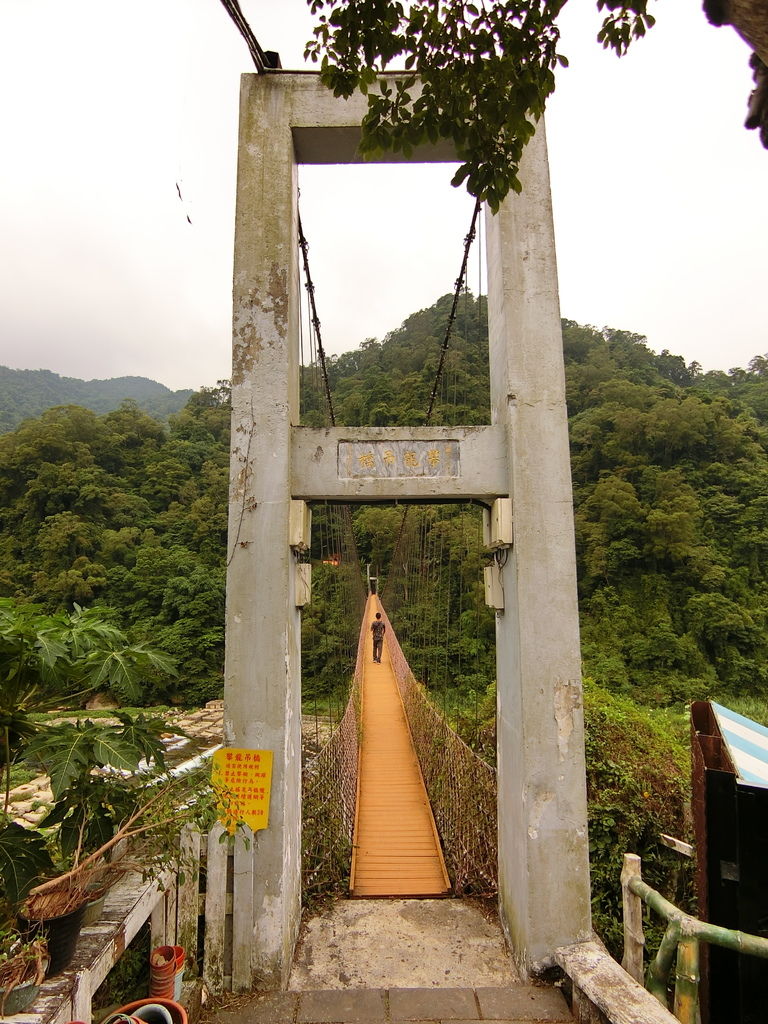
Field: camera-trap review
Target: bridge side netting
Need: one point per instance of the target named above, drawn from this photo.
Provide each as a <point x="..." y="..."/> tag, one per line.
<point x="329" y="792"/>
<point x="462" y="787"/>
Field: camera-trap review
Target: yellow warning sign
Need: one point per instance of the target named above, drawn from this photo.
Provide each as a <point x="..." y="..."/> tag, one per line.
<point x="244" y="779"/>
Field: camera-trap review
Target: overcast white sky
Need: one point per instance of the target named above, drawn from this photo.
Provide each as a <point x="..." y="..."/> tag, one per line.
<point x="661" y="206"/>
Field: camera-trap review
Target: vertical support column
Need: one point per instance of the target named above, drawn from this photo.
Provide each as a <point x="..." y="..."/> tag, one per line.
<point x="544" y="891"/>
<point x="262" y="697"/>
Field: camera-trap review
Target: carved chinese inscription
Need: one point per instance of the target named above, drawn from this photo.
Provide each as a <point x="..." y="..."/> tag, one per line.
<point x="398" y="458"/>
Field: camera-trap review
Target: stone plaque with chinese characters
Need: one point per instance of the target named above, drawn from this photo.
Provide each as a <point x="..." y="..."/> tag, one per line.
<point x="243" y="780"/>
<point x="398" y="458"/>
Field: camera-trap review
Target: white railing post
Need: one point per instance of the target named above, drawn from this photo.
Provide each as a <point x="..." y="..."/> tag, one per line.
<point x="188" y="889"/>
<point x="243" y="921"/>
<point x="215" y="909"/>
<point x="82" y="995"/>
<point x="634" y="938"/>
<point x="157" y="924"/>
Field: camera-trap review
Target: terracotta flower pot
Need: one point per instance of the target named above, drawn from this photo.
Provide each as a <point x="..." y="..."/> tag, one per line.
<point x="176" y="1010"/>
<point x="162" y="972"/>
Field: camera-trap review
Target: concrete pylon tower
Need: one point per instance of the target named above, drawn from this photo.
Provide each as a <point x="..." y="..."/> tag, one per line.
<point x="290" y="118"/>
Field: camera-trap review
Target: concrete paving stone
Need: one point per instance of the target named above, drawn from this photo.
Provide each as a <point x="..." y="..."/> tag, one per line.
<point x="523" y="1002"/>
<point x="432" y="1003"/>
<point x="352" y="1006"/>
<point x="389" y="944"/>
<point x="263" y="1008"/>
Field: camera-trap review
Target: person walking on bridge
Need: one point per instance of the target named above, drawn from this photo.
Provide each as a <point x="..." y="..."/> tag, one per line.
<point x="378" y="628"/>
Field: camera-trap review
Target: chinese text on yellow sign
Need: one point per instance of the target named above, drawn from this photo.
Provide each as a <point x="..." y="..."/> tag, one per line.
<point x="244" y="779"/>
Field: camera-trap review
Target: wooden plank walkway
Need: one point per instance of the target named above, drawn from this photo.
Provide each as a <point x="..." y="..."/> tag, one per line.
<point x="396" y="848"/>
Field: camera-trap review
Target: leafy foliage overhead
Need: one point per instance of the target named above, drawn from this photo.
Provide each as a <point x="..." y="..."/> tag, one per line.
<point x="486" y="70"/>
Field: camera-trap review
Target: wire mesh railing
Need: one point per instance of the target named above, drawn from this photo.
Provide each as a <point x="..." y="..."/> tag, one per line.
<point x="329" y="793"/>
<point x="462" y="787"/>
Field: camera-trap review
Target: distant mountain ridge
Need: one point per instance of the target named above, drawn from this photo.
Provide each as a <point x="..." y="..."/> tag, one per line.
<point x="28" y="393"/>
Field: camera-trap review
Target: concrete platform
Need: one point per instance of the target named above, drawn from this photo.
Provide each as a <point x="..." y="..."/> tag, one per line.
<point x="384" y="944"/>
<point x="400" y="961"/>
<point x="522" y="1004"/>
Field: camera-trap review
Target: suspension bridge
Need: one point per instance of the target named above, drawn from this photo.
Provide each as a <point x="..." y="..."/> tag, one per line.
<point x="396" y="804"/>
<point x="280" y="468"/>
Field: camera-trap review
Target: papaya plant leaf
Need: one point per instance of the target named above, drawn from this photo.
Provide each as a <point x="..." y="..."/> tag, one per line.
<point x="114" y="668"/>
<point x="69" y="835"/>
<point x="112" y="749"/>
<point x="24" y="859"/>
<point x="50" y="648"/>
<point x="65" y="752"/>
<point x="145" y="736"/>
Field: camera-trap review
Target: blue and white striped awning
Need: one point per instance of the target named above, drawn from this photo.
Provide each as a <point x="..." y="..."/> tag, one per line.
<point x="747" y="744"/>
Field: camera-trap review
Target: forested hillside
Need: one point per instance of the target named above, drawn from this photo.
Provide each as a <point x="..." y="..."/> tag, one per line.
<point x="670" y="470"/>
<point x="120" y="511"/>
<point x="25" y="393"/>
<point x="670" y="473"/>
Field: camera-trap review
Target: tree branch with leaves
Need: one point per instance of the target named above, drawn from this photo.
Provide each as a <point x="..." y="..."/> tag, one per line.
<point x="486" y="70"/>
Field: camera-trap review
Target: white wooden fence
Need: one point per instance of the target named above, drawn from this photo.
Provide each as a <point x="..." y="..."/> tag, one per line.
<point x="172" y="905"/>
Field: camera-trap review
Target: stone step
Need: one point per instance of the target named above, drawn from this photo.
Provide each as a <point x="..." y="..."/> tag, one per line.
<point x="518" y="1004"/>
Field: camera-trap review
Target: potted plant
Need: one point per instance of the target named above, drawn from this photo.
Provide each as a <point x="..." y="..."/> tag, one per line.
<point x="106" y="797"/>
<point x="109" y="784"/>
<point x="51" y="873"/>
<point x="46" y="660"/>
<point x="23" y="964"/>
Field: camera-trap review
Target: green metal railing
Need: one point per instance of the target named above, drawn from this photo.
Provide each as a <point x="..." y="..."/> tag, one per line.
<point x="682" y="937"/>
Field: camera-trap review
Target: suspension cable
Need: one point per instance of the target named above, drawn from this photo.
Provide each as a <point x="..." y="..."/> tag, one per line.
<point x="458" y="284"/>
<point x="316" y="322"/>
<point x="263" y="59"/>
<point x="469" y="238"/>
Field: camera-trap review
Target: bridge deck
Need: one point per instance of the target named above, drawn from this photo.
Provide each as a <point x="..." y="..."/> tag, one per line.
<point x="396" y="846"/>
